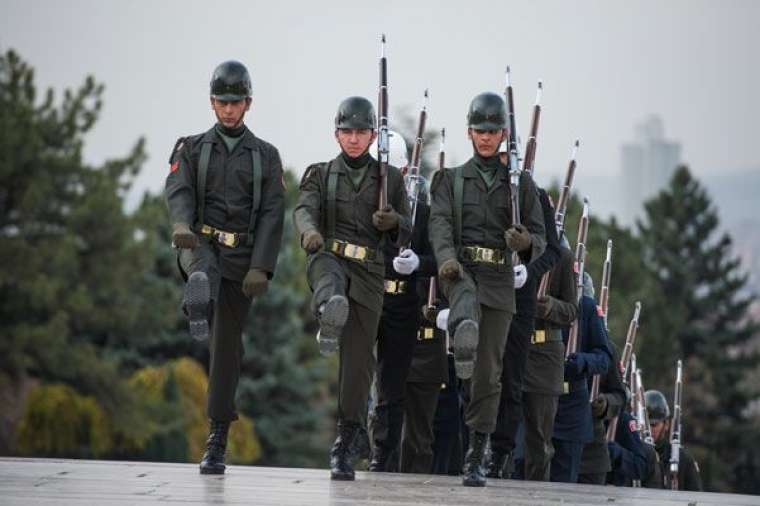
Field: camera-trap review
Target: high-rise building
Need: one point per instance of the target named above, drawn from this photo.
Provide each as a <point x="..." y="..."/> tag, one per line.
<point x="647" y="163"/>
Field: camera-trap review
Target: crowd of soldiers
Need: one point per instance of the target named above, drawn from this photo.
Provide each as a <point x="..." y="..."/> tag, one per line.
<point x="468" y="334"/>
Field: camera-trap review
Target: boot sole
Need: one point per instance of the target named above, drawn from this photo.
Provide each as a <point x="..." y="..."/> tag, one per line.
<point x="331" y="321"/>
<point x="212" y="471"/>
<point x="197" y="299"/>
<point x="342" y="477"/>
<point x="467" y="483"/>
<point x="465" y="344"/>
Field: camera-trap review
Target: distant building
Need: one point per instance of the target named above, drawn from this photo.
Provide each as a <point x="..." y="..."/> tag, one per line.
<point x="647" y="163"/>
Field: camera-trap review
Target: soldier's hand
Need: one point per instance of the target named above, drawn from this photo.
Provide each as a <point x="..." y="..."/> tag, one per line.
<point x="406" y="263"/>
<point x="575" y="367"/>
<point x="429" y="313"/>
<point x="442" y="320"/>
<point x="255" y="283"/>
<point x="450" y="270"/>
<point x="518" y="238"/>
<point x="183" y="237"/>
<point x="521" y="275"/>
<point x="312" y="241"/>
<point x="386" y="219"/>
<point x="599" y="406"/>
<point x="544" y="305"/>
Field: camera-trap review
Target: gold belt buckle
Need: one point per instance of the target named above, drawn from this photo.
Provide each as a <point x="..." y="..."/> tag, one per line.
<point x="425" y="333"/>
<point x="486" y="254"/>
<point x="394" y="286"/>
<point x="229" y="239"/>
<point x="538" y="337"/>
<point x="355" y="252"/>
<point x="565" y="387"/>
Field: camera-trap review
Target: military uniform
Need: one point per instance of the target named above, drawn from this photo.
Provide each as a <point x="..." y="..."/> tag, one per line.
<point x="542" y="384"/>
<point x="338" y="202"/>
<point x="627" y="454"/>
<point x="516" y="354"/>
<point x="573" y="425"/>
<point x="396" y="341"/>
<point x="225" y="198"/>
<point x="595" y="460"/>
<point x="688" y="470"/>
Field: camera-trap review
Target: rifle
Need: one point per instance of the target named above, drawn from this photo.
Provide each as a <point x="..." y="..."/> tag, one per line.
<point x="604" y="301"/>
<point x="560" y="212"/>
<point x="414" y="179"/>
<point x="432" y="287"/>
<point x="530" y="147"/>
<point x="675" y="429"/>
<point x="513" y="164"/>
<point x="580" y="262"/>
<point x="382" y="131"/>
<point x="630" y="340"/>
<point x="646" y="427"/>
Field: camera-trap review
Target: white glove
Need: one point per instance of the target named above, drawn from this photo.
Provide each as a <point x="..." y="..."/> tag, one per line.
<point x="442" y="320"/>
<point x="521" y="275"/>
<point x="406" y="262"/>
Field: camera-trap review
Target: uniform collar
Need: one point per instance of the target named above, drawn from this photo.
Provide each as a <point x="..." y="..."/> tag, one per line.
<point x="248" y="141"/>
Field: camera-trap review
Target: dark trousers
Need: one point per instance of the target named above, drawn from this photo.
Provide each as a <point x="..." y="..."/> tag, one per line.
<point x="327" y="277"/>
<point x="512" y="373"/>
<point x="539" y="411"/>
<point x="419" y="411"/>
<point x="229" y="310"/>
<point x="593" y="478"/>
<point x="396" y="337"/>
<point x="447" y="427"/>
<point x="567" y="461"/>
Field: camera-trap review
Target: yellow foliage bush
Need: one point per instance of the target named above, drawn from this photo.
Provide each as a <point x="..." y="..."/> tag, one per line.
<point x="59" y="422"/>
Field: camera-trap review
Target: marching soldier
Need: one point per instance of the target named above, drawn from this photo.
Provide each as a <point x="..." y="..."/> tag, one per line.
<point x="573" y="425"/>
<point x="542" y="384"/>
<point x="473" y="237"/>
<point x="400" y="322"/>
<point x="659" y="419"/>
<point x="342" y="230"/>
<point x="226" y="204"/>
<point x="627" y="454"/>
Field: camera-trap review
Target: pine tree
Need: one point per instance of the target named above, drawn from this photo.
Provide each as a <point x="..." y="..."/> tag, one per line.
<point x="700" y="314"/>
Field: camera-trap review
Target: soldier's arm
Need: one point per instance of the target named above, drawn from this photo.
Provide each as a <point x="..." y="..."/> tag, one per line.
<point x="612" y="388"/>
<point x="307" y="213"/>
<point x="403" y="234"/>
<point x="564" y="310"/>
<point x="441" y="225"/>
<point x="551" y="254"/>
<point x="269" y="220"/>
<point x="596" y="352"/>
<point x="653" y="475"/>
<point x="631" y="459"/>
<point x="179" y="191"/>
<point x="532" y="217"/>
<point x="422" y="242"/>
<point x="689" y="472"/>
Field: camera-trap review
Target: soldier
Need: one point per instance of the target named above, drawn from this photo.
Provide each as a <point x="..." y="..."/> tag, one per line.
<point x="473" y="238"/>
<point x="226" y="204"/>
<point x="503" y="440"/>
<point x="627" y="454"/>
<point x="595" y="459"/>
<point x="342" y="230"/>
<point x="400" y="320"/>
<point x="573" y="425"/>
<point x="659" y="419"/>
<point x="542" y="382"/>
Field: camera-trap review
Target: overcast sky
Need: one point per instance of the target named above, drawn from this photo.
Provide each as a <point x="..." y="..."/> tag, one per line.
<point x="606" y="66"/>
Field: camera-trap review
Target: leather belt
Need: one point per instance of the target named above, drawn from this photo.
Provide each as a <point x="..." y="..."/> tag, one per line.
<point x="541" y="336"/>
<point x="425" y="333"/>
<point x="395" y="286"/>
<point x="229" y="239"/>
<point x="352" y="251"/>
<point x="485" y="255"/>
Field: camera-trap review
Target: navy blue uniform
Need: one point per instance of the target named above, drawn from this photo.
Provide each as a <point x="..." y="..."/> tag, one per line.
<point x="573" y="426"/>
<point x="628" y="456"/>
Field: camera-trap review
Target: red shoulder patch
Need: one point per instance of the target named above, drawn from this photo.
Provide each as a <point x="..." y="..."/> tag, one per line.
<point x="174" y="166"/>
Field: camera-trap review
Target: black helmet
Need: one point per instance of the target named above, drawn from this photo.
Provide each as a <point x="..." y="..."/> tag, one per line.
<point x="487" y="112"/>
<point x="355" y="112"/>
<point x="230" y="82"/>
<point x="657" y="406"/>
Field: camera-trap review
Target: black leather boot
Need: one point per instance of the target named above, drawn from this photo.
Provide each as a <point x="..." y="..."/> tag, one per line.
<point x="387" y="438"/>
<point x="216" y="445"/>
<point x="474" y="473"/>
<point x="496" y="465"/>
<point x="340" y="454"/>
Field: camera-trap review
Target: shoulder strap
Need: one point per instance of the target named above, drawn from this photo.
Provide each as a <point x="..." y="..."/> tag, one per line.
<point x="201" y="186"/>
<point x="256" y="203"/>
<point x="458" y="203"/>
<point x="332" y="188"/>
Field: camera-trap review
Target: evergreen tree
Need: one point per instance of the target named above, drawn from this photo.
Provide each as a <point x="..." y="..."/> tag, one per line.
<point x="700" y="315"/>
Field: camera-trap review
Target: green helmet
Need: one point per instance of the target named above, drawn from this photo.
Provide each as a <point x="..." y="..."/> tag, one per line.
<point x="230" y="82"/>
<point x="355" y="112"/>
<point x="657" y="406"/>
<point x="487" y="112"/>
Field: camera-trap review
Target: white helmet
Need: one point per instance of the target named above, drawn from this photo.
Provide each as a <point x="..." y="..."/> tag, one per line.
<point x="396" y="150"/>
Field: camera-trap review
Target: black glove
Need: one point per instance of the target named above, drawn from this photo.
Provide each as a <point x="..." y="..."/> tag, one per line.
<point x="312" y="241"/>
<point x="255" y="283"/>
<point x="599" y="407"/>
<point x="183" y="237"/>
<point x="518" y="238"/>
<point x="575" y="367"/>
<point x="451" y="270"/>
<point x="385" y="220"/>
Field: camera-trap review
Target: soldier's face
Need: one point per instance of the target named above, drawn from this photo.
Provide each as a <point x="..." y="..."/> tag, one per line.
<point x="659" y="429"/>
<point x="355" y="141"/>
<point x="230" y="113"/>
<point x="486" y="142"/>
